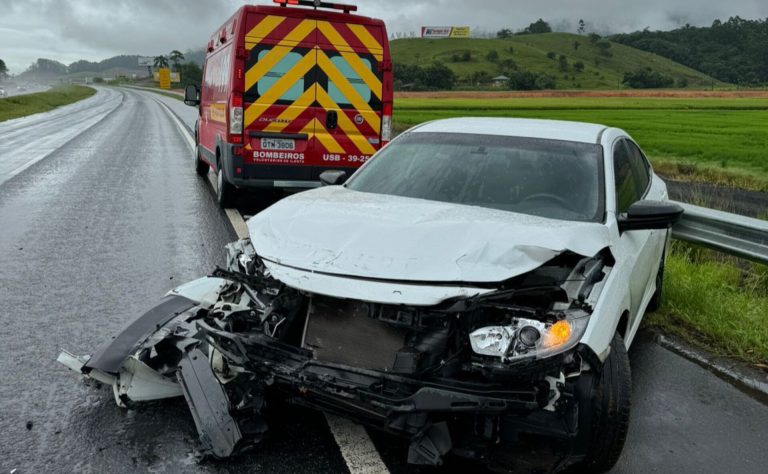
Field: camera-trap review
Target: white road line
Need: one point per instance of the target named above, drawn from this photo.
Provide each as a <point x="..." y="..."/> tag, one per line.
<point x="355" y="445"/>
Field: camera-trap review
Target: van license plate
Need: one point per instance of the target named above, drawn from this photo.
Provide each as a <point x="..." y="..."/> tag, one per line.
<point x="278" y="144"/>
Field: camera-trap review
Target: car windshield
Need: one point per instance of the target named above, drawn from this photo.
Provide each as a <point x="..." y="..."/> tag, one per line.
<point x="548" y="178"/>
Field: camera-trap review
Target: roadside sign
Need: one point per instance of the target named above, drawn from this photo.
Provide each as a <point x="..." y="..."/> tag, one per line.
<point x="165" y="78"/>
<point x="175" y="77"/>
<point x="445" y="32"/>
<point x="146" y="61"/>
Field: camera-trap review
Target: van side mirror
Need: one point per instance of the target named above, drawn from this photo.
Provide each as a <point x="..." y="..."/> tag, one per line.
<point x="333" y="177"/>
<point x="192" y="95"/>
<point x="647" y="215"/>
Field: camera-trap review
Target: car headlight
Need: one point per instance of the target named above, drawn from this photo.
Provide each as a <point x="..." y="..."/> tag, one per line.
<point x="529" y="337"/>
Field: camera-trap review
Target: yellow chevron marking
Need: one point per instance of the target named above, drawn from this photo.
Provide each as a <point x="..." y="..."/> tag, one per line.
<point x="352" y="58"/>
<point x="349" y="92"/>
<point x="264" y="28"/>
<point x="349" y="128"/>
<point x="278" y="52"/>
<point x="257" y="108"/>
<point x="368" y="40"/>
<point x="293" y="111"/>
<point x="316" y="129"/>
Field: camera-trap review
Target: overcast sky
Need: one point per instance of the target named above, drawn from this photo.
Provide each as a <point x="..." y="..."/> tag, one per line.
<point x="68" y="30"/>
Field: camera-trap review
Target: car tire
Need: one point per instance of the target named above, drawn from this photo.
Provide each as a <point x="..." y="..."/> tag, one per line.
<point x="225" y="192"/>
<point x="607" y="417"/>
<point x="656" y="301"/>
<point x="201" y="167"/>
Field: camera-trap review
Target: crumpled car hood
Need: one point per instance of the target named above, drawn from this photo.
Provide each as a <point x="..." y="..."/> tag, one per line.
<point x="339" y="231"/>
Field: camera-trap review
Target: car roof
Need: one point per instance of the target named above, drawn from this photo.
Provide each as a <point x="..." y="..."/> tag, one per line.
<point x="516" y="127"/>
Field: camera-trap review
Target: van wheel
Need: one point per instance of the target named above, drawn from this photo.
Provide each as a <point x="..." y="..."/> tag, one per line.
<point x="607" y="416"/>
<point x="225" y="192"/>
<point x="201" y="167"/>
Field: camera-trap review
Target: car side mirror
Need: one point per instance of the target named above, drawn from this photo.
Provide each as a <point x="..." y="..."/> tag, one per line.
<point x="333" y="177"/>
<point x="647" y="215"/>
<point x="192" y="95"/>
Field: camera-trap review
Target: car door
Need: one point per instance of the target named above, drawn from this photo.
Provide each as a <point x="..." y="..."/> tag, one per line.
<point x="349" y="94"/>
<point x="633" y="183"/>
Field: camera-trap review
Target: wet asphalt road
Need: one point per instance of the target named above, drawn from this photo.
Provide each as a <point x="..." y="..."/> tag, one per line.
<point x="99" y="229"/>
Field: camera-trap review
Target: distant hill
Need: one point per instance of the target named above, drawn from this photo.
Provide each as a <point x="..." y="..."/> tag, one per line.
<point x="603" y="63"/>
<point x="734" y="51"/>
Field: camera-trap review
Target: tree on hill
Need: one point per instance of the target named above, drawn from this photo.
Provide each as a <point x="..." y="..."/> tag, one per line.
<point x="732" y="51"/>
<point x="647" y="78"/>
<point x="528" y="81"/>
<point x="538" y="26"/>
<point x="581" y="27"/>
<point x="3" y="70"/>
<point x="604" y="48"/>
<point x="176" y="57"/>
<point x="492" y="56"/>
<point x="594" y="38"/>
<point x="48" y="67"/>
<point x="504" y="33"/>
<point x="436" y="76"/>
<point x="562" y="63"/>
<point x="161" y="61"/>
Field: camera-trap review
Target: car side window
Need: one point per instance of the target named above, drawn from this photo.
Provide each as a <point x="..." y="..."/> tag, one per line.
<point x="640" y="168"/>
<point x="626" y="189"/>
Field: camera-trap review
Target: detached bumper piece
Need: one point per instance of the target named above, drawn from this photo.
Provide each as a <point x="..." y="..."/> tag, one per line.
<point x="220" y="434"/>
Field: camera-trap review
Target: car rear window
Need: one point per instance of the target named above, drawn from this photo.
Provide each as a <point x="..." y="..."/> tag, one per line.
<point x="548" y="178"/>
<point x="354" y="79"/>
<point x="277" y="72"/>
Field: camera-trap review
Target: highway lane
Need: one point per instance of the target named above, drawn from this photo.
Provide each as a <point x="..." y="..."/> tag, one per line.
<point x="26" y="140"/>
<point x="91" y="236"/>
<point x="116" y="216"/>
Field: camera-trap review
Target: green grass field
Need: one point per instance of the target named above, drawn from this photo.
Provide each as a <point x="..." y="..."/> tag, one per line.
<point x="714" y="139"/>
<point x="717" y="303"/>
<point x="529" y="52"/>
<point x="23" y="105"/>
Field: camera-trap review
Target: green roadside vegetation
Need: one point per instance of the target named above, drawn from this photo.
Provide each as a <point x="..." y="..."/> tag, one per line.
<point x="588" y="62"/>
<point x="23" y="105"/>
<point x="720" y="140"/>
<point x="716" y="303"/>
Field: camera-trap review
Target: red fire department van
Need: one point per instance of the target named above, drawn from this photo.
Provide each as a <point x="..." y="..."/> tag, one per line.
<point x="289" y="92"/>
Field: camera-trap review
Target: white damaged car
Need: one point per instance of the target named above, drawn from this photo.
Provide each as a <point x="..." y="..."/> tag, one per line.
<point x="474" y="287"/>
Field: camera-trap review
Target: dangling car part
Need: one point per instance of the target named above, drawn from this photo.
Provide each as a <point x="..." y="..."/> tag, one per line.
<point x="495" y="331"/>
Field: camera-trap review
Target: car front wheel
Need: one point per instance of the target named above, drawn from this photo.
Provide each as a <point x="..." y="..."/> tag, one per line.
<point x="607" y="415"/>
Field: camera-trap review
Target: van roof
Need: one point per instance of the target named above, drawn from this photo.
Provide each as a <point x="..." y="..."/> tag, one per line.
<point x="298" y="11"/>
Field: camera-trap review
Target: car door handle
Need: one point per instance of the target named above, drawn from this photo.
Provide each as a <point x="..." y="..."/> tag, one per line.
<point x="331" y="119"/>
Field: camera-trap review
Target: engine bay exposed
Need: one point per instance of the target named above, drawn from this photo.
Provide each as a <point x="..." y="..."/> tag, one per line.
<point x="446" y="375"/>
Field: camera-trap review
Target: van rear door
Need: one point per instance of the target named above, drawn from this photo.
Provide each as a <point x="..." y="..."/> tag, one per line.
<point x="279" y="117"/>
<point x="349" y="91"/>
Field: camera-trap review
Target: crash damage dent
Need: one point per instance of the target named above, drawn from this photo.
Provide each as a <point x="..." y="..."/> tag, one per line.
<point x="488" y="372"/>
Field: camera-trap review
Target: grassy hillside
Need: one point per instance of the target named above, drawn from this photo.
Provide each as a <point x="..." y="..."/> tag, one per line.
<point x="530" y="52"/>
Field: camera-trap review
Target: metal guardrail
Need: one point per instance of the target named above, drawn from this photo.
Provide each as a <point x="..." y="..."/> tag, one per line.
<point x="729" y="233"/>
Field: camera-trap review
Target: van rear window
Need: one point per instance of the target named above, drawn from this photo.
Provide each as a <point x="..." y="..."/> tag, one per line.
<point x="277" y="72"/>
<point x="354" y="79"/>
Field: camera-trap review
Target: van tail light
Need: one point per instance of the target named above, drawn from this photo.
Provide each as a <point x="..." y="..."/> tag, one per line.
<point x="386" y="124"/>
<point x="236" y="114"/>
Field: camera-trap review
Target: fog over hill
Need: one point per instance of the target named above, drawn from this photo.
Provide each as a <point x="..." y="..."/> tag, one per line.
<point x="71" y="30"/>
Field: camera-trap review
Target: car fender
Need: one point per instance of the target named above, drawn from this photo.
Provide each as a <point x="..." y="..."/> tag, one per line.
<point x="613" y="302"/>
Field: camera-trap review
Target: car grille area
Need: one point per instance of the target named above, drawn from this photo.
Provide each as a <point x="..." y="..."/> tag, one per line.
<point x="343" y="332"/>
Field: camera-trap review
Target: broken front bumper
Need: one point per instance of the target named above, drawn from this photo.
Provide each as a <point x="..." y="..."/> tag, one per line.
<point x="226" y="378"/>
